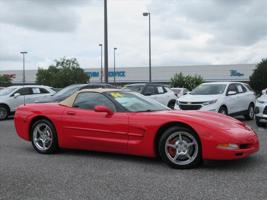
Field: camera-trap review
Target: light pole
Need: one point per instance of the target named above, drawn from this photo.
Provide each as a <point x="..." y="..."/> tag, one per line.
<point x="106" y="39"/>
<point x="114" y="72"/>
<point x="145" y="14"/>
<point x="101" y="72"/>
<point x="23" y="73"/>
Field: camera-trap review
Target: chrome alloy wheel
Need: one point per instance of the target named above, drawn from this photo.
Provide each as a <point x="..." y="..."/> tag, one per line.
<point x="3" y="113"/>
<point x="181" y="148"/>
<point x="42" y="137"/>
<point x="251" y="112"/>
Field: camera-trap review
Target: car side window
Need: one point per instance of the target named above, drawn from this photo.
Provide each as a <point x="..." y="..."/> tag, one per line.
<point x="149" y="90"/>
<point x="36" y="90"/>
<point x="24" y="91"/>
<point x="232" y="87"/>
<point x="239" y="88"/>
<point x="160" y="90"/>
<point x="43" y="91"/>
<point x="88" y="101"/>
<point x="244" y="89"/>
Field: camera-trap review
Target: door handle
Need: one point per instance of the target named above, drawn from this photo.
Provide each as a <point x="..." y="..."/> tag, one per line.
<point x="71" y="113"/>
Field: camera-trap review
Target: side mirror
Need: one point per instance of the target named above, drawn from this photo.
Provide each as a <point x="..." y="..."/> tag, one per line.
<point x="103" y="109"/>
<point x="231" y="92"/>
<point x="16" y="95"/>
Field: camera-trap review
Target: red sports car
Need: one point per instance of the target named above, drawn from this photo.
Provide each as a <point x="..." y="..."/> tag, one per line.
<point x="112" y="120"/>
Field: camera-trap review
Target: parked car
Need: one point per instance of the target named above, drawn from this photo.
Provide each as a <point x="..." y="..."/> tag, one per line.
<point x="261" y="109"/>
<point x="230" y="98"/>
<point x="112" y="120"/>
<point x="69" y="90"/>
<point x="158" y="92"/>
<point x="13" y="96"/>
<point x="180" y="91"/>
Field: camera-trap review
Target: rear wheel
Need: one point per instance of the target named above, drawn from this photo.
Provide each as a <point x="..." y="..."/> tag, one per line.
<point x="260" y="124"/>
<point x="180" y="148"/>
<point x="250" y="112"/>
<point x="44" y="137"/>
<point x="4" y="112"/>
<point x="223" y="110"/>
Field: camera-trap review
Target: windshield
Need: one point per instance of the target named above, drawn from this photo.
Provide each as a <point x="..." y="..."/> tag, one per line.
<point x="135" y="88"/>
<point x="209" y="89"/>
<point x="135" y="102"/>
<point x="67" y="91"/>
<point x="7" y="91"/>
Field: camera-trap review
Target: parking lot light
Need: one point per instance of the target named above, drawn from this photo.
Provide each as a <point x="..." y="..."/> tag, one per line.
<point x="145" y="14"/>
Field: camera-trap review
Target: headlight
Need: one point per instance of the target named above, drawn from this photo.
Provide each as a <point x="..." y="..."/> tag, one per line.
<point x="209" y="102"/>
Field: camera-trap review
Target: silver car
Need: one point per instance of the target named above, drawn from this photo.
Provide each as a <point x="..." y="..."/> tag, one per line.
<point x="261" y="109"/>
<point x="14" y="96"/>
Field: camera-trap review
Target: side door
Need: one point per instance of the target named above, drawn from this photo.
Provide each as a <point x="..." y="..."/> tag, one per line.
<point x="149" y="90"/>
<point x="232" y="99"/>
<point x="20" y="96"/>
<point x="37" y="92"/>
<point x="244" y="98"/>
<point x="86" y="129"/>
<point x="161" y="95"/>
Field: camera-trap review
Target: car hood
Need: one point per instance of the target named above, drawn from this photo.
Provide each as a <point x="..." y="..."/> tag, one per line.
<point x="210" y="119"/>
<point x="198" y="98"/>
<point x="263" y="98"/>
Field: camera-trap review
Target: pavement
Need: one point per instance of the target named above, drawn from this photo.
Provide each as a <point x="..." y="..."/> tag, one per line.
<point x="72" y="174"/>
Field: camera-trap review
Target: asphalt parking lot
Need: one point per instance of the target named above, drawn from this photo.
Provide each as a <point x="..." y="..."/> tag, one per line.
<point x="25" y="174"/>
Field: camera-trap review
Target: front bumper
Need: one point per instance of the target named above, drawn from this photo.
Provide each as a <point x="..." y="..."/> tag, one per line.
<point x="247" y="143"/>
<point x="261" y="111"/>
<point x="211" y="107"/>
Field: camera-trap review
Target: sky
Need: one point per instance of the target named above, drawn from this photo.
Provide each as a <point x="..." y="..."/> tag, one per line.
<point x="184" y="32"/>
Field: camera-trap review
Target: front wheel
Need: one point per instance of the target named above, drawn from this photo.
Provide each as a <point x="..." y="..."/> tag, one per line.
<point x="180" y="148"/>
<point x="250" y="112"/>
<point x="44" y="137"/>
<point x="3" y="112"/>
<point x="223" y="110"/>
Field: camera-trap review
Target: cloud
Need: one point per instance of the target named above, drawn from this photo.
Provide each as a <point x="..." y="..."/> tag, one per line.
<point x="43" y="16"/>
<point x="238" y="22"/>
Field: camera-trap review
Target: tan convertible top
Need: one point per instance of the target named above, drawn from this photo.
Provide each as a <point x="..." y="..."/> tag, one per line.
<point x="70" y="100"/>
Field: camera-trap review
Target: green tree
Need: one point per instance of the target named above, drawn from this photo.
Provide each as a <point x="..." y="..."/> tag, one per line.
<point x="5" y="80"/>
<point x="65" y="72"/>
<point x="189" y="82"/>
<point x="258" y="80"/>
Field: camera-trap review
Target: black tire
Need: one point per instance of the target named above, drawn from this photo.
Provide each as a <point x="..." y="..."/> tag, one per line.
<point x="250" y="112"/>
<point x="260" y="124"/>
<point x="171" y="104"/>
<point x="4" y="112"/>
<point x="223" y="110"/>
<point x="194" y="150"/>
<point x="51" y="134"/>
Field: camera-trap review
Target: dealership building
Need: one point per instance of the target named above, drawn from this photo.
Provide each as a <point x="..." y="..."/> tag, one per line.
<point x="163" y="74"/>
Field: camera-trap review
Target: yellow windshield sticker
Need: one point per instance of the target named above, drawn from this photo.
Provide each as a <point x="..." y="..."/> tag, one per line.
<point x="116" y="94"/>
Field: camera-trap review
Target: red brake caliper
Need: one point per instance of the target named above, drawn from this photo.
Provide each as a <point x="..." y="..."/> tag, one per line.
<point x="171" y="150"/>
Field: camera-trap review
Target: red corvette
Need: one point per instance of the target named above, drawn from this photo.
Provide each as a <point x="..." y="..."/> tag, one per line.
<point x="124" y="122"/>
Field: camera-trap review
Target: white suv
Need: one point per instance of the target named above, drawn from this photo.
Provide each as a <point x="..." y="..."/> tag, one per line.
<point x="13" y="96"/>
<point x="158" y="92"/>
<point x="261" y="109"/>
<point x="230" y="98"/>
